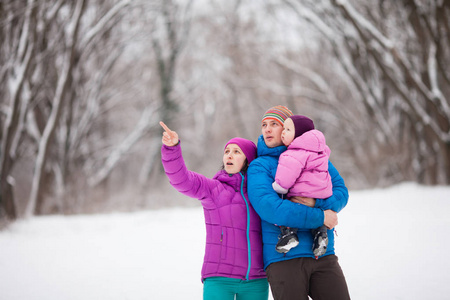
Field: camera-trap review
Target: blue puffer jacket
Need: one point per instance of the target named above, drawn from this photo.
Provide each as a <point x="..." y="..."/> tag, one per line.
<point x="274" y="210"/>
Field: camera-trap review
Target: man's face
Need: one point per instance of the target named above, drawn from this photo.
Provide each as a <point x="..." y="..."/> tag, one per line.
<point x="271" y="131"/>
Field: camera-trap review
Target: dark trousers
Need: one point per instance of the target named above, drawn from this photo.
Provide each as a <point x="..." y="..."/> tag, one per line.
<point x="299" y="278"/>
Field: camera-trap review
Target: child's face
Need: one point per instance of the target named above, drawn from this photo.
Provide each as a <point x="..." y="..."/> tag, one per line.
<point x="288" y="134"/>
<point x="233" y="159"/>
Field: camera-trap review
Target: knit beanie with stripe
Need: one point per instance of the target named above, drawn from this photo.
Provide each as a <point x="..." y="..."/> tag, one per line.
<point x="278" y="113"/>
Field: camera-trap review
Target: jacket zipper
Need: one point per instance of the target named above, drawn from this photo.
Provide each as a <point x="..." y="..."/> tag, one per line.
<point x="248" y="229"/>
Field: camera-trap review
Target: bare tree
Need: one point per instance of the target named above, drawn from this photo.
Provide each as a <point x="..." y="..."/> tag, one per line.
<point x="47" y="45"/>
<point x="15" y="72"/>
<point x="83" y="85"/>
<point x="394" y="55"/>
<point x="169" y="31"/>
<point x="71" y="38"/>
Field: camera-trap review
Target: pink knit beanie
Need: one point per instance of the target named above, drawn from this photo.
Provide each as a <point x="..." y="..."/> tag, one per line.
<point x="247" y="146"/>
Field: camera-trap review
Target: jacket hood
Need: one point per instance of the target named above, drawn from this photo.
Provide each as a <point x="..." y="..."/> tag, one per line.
<point x="233" y="180"/>
<point x="263" y="150"/>
<point x="312" y="140"/>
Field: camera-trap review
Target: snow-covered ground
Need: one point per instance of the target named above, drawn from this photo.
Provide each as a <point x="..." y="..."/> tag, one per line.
<point x="393" y="244"/>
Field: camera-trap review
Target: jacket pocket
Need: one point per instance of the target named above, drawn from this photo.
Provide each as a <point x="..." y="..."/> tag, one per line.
<point x="223" y="245"/>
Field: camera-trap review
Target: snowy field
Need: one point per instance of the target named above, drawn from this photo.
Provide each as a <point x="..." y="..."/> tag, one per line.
<point x="392" y="244"/>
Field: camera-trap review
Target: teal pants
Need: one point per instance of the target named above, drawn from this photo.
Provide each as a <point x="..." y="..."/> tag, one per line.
<point x="223" y="288"/>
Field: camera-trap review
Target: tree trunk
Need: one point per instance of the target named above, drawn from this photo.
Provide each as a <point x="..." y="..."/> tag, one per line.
<point x="8" y="210"/>
<point x="11" y="129"/>
<point x="56" y="111"/>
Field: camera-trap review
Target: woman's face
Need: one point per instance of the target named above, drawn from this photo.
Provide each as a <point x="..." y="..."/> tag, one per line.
<point x="233" y="159"/>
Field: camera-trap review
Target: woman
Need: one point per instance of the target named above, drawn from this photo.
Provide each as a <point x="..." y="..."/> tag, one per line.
<point x="233" y="264"/>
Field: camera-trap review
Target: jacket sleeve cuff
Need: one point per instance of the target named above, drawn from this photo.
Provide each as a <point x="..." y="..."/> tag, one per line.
<point x="172" y="147"/>
<point x="319" y="203"/>
<point x="279" y="189"/>
<point x="169" y="152"/>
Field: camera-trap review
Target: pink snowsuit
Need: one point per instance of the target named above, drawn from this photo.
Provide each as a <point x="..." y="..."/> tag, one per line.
<point x="303" y="168"/>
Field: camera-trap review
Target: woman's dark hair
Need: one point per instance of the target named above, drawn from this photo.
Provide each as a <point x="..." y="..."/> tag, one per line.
<point x="243" y="169"/>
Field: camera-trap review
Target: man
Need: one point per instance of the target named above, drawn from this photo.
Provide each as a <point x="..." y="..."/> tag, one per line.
<point x="295" y="274"/>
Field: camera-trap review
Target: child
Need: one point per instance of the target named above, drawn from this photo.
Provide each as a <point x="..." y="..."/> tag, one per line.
<point x="303" y="171"/>
<point x="233" y="255"/>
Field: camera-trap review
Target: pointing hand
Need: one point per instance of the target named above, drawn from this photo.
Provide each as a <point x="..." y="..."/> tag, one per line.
<point x="170" y="138"/>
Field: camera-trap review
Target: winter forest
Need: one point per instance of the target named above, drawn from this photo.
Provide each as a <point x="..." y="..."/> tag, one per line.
<point x="84" y="84"/>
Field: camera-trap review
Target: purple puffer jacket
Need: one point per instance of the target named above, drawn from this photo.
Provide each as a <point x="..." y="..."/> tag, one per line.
<point x="233" y="228"/>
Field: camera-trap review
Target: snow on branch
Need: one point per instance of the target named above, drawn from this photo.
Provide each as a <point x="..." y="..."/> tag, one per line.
<point x="409" y="73"/>
<point x="313" y="18"/>
<point x="432" y="74"/>
<point x="144" y="124"/>
<point x="101" y="25"/>
<point x="363" y="22"/>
